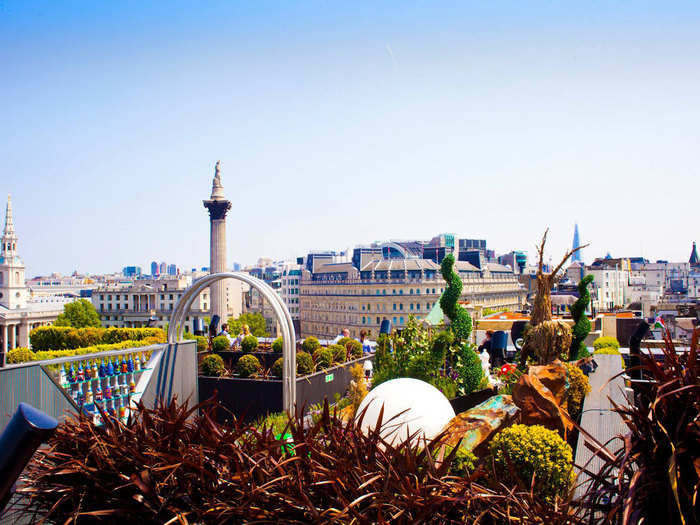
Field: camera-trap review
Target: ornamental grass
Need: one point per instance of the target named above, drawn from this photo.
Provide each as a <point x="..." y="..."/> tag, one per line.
<point x="175" y="464"/>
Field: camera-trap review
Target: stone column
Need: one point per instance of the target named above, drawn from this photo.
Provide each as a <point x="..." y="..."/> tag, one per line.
<point x="4" y="347"/>
<point x="23" y="339"/>
<point x="217" y="255"/>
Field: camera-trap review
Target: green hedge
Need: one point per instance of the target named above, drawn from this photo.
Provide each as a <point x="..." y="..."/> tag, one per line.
<point x="67" y="338"/>
<point x="606" y="342"/>
<point x="42" y="355"/>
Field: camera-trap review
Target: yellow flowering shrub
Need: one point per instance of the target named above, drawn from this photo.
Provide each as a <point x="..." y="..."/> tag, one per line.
<point x="521" y="451"/>
<point x="579" y="387"/>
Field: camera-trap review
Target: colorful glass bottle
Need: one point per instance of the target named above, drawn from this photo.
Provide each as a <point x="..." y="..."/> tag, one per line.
<point x="110" y="368"/>
<point x="95" y="370"/>
<point x="130" y="364"/>
<point x="125" y="367"/>
<point x="80" y="375"/>
<point x="132" y="387"/>
<point x="71" y="374"/>
<point x="108" y="392"/>
<point x="98" y="394"/>
<point x="88" y="397"/>
<point x="62" y="379"/>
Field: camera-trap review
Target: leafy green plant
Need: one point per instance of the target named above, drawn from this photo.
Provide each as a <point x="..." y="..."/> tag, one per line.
<point x="343" y="341"/>
<point x="460" y="321"/>
<point x="255" y="321"/>
<point x="445" y="384"/>
<point x="20" y="355"/>
<point x="606" y="342"/>
<point x="277" y="366"/>
<point x="78" y="314"/>
<point x="277" y="345"/>
<point x="310" y="344"/>
<point x="323" y="357"/>
<point x="340" y="354"/>
<point x="248" y="365"/>
<point x="213" y="365"/>
<point x="220" y="344"/>
<point x="354" y="348"/>
<point x="66" y="337"/>
<point x="249" y="343"/>
<point x="276" y="421"/>
<point x="305" y="364"/>
<point x="533" y="457"/>
<point x="579" y="388"/>
<point x="469" y="369"/>
<point x="463" y="463"/>
<point x="582" y="325"/>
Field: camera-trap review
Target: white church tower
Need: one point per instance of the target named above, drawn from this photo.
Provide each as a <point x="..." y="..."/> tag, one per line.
<point x="13" y="291"/>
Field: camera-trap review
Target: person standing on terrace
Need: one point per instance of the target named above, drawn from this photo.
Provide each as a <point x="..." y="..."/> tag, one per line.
<point x="344" y="333"/>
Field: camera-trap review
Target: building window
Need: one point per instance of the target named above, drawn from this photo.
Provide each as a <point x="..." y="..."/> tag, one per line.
<point x="394" y="307"/>
<point x="394" y="320"/>
<point x="400" y="320"/>
<point x="411" y="306"/>
<point x="401" y="306"/>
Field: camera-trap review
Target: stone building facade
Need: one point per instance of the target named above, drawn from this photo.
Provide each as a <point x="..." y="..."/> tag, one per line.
<point x="19" y="313"/>
<point x="338" y="296"/>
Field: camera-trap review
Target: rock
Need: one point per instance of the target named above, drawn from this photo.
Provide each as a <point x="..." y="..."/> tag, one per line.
<point x="552" y="376"/>
<point x="538" y="404"/>
<point x="476" y="425"/>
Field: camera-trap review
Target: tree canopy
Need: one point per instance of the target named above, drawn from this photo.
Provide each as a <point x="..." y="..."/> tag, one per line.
<point x="254" y="320"/>
<point x="78" y="314"/>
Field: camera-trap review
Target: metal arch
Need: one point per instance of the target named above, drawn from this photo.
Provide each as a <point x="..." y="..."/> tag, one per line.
<point x="289" y="369"/>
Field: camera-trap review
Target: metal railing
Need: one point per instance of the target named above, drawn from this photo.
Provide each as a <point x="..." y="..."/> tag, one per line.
<point x="289" y="367"/>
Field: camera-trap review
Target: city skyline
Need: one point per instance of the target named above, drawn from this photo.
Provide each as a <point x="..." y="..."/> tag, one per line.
<point x="339" y="125"/>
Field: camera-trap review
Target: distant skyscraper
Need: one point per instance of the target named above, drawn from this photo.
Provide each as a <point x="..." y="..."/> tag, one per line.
<point x="132" y="271"/>
<point x="576" y="257"/>
<point x="694" y="256"/>
<point x="162" y="268"/>
<point x="154" y="269"/>
<point x="172" y="269"/>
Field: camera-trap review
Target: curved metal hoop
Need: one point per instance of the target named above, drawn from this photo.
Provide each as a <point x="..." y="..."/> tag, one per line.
<point x="289" y="368"/>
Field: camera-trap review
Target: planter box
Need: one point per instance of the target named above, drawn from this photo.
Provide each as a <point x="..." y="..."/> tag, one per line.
<point x="249" y="399"/>
<point x="462" y="403"/>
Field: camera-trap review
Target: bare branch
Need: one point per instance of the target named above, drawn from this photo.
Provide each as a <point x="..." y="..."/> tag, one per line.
<point x="540" y="252"/>
<point x="566" y="258"/>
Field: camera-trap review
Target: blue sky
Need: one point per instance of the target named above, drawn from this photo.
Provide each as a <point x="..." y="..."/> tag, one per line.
<point x="342" y="124"/>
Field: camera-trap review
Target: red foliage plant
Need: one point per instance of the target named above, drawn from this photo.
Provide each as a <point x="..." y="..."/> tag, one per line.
<point x="655" y="475"/>
<point x="175" y="464"/>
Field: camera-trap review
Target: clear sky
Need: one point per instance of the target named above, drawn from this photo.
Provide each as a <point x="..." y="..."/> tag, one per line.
<point x="342" y="124"/>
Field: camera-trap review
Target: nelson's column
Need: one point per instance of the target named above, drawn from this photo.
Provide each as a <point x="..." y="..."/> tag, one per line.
<point x="217" y="206"/>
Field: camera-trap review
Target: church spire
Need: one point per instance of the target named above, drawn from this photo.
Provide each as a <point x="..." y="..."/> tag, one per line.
<point x="9" y="224"/>
<point x="217" y="190"/>
<point x="9" y="238"/>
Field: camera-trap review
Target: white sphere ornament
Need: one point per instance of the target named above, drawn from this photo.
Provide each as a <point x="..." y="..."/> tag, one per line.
<point x="410" y="406"/>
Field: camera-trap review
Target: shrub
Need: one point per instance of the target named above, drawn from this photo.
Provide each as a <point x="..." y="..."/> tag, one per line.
<point x="202" y="343"/>
<point x="343" y="341"/>
<point x="305" y="364"/>
<point x="340" y="354"/>
<point x="358" y="387"/>
<point x="79" y="314"/>
<point x="579" y="387"/>
<point x="469" y="369"/>
<point x="249" y="343"/>
<point x="277" y="345"/>
<point x="354" y="348"/>
<point x="43" y="355"/>
<point x="520" y="452"/>
<point x="463" y="462"/>
<point x="460" y="321"/>
<point x="606" y="342"/>
<point x="213" y="365"/>
<point x="582" y="352"/>
<point x="220" y="344"/>
<point x="277" y="422"/>
<point x="582" y="326"/>
<point x="323" y="357"/>
<point x="64" y="337"/>
<point x="446" y="385"/>
<point x="310" y="344"/>
<point x="248" y="365"/>
<point x="509" y="374"/>
<point x="20" y="355"/>
<point x="276" y="369"/>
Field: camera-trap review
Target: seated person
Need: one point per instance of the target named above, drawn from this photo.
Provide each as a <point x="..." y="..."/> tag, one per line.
<point x="344" y="333"/>
<point x="245" y="332"/>
<point x="224" y="332"/>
